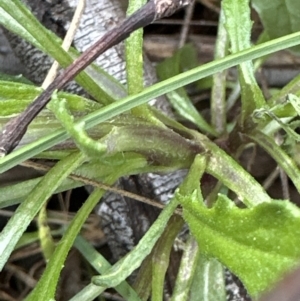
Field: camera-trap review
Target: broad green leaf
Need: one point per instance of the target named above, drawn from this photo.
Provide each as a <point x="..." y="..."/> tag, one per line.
<point x="279" y="17"/>
<point x="258" y="244"/>
<point x="238" y="25"/>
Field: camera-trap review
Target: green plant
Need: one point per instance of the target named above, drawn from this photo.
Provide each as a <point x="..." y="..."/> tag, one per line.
<point x="259" y="243"/>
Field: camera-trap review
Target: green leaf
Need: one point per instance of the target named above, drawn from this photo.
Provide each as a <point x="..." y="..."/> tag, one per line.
<point x="218" y="90"/>
<point x="15" y="97"/>
<point x="46" y="240"/>
<point x="16" y="193"/>
<point x="135" y="62"/>
<point x="46" y="287"/>
<point x="187" y="272"/>
<point x="124" y="267"/>
<point x="293" y="87"/>
<point x="179" y="98"/>
<point x="287" y="163"/>
<point x="96" y="169"/>
<point x="134" y="53"/>
<point x="76" y="130"/>
<point x="158" y="147"/>
<point x="101" y="265"/>
<point x="279" y="17"/>
<point x="161" y="256"/>
<point x="288" y="128"/>
<point x="238" y="25"/>
<point x="224" y="168"/>
<point x="258" y="244"/>
<point x="16" y="17"/>
<point x="208" y="283"/>
<point x="149" y="93"/>
<point x="25" y="213"/>
<point x="15" y="78"/>
<point x="295" y="102"/>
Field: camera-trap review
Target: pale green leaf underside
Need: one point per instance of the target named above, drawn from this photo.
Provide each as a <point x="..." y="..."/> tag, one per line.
<point x="208" y="283"/>
<point x="258" y="244"/>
